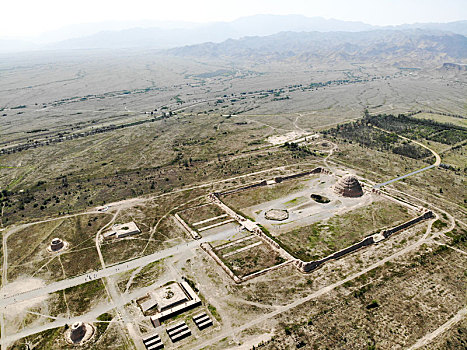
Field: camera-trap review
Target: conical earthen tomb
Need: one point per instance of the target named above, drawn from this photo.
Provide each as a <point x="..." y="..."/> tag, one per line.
<point x="348" y="186"/>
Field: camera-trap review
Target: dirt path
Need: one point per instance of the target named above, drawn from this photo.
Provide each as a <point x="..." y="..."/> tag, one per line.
<point x="106" y="272"/>
<point x="331" y="152"/>
<point x="88" y="317"/>
<point x="111" y="270"/>
<point x="428" y="338"/>
<point x="264" y="124"/>
<point x="114" y="295"/>
<point x="5" y="259"/>
<point x="451" y="247"/>
<point x="125" y="203"/>
<point x="128" y="328"/>
<point x="98" y="243"/>
<point x="435" y="164"/>
<point x="327" y="289"/>
<point x="295" y="123"/>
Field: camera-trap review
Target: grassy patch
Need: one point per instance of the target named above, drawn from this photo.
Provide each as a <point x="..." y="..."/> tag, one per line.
<point x="252" y="260"/>
<point x="81" y="298"/>
<point x="147" y="275"/>
<point x="263" y="194"/>
<point x="27" y="249"/>
<point x="200" y="213"/>
<point x="212" y="309"/>
<point x="439" y="225"/>
<point x="320" y="239"/>
<point x="105" y="319"/>
<point x="43" y="340"/>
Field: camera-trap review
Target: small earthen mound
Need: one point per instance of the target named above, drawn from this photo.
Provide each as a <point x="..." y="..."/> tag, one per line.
<point x="57" y="245"/>
<point x="348" y="186"/>
<point x="79" y="333"/>
<point x="277" y="214"/>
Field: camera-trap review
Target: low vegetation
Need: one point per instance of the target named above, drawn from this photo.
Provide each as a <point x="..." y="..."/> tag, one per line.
<point x="320" y="239"/>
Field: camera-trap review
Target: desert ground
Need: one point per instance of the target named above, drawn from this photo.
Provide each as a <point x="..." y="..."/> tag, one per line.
<point x="97" y="138"/>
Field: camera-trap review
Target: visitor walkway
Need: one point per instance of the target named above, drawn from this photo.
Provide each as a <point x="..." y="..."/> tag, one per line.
<point x="435" y="164"/>
<point x="111" y="270"/>
<point x="377" y="186"/>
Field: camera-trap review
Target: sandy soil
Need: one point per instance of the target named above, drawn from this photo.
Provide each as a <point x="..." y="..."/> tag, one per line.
<point x="280" y="139"/>
<point x="19" y="286"/>
<point x="303" y="210"/>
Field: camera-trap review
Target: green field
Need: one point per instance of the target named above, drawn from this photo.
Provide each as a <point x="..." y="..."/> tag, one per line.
<point x="321" y="239"/>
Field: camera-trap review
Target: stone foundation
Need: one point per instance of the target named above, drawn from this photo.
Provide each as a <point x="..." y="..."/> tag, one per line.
<point x="277" y="214"/>
<point x="57" y="245"/>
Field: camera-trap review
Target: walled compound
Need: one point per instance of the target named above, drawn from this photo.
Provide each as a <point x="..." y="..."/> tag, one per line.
<point x="168" y="301"/>
<point x="347" y="186"/>
<point x="122" y="230"/>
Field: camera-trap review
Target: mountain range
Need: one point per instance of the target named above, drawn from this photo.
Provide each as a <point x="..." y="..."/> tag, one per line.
<point x="166" y="35"/>
<point x="399" y="47"/>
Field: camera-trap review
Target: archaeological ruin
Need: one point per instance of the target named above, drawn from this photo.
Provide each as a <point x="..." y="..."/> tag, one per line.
<point x="57" y="245"/>
<point x="79" y="333"/>
<point x="168" y="301"/>
<point x="277" y="214"/>
<point x="348" y="186"/>
<point x="122" y="230"/>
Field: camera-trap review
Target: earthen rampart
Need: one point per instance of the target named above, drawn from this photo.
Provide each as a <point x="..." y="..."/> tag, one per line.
<point x="424" y="216"/>
<point x="276" y="179"/>
<point x="208" y="249"/>
<point x="311" y="265"/>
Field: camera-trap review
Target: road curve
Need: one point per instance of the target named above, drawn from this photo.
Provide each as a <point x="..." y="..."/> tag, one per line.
<point x="435" y="164"/>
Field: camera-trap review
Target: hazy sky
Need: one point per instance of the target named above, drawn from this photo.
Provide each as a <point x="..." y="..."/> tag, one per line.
<point x="33" y="17"/>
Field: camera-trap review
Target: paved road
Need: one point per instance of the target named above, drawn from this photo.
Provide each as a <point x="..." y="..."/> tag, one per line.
<point x="90" y="316"/>
<point x="284" y="308"/>
<point x="403" y="176"/>
<point x="112" y="270"/>
<point x="435" y="164"/>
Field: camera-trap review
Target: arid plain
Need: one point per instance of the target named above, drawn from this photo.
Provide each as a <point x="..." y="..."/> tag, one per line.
<point x="190" y="154"/>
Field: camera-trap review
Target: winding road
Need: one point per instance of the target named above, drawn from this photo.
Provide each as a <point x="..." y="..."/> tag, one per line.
<point x="435" y="164"/>
<point x="119" y="300"/>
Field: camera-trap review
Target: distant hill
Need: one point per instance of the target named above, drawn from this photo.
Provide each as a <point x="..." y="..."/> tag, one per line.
<point x="454" y="67"/>
<point x="258" y="25"/>
<point x="165" y="35"/>
<point x="158" y="37"/>
<point x="458" y="27"/>
<point x="390" y="45"/>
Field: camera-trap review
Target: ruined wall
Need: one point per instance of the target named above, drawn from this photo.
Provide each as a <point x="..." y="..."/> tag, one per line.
<point x="243" y="188"/>
<point x="276" y="179"/>
<point x="311" y="265"/>
<point x="303" y="266"/>
<point x="185" y="226"/>
<point x="208" y="249"/>
<point x="262" y="272"/>
<point x="273" y="244"/>
<point x="424" y="216"/>
<point x="302" y="174"/>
